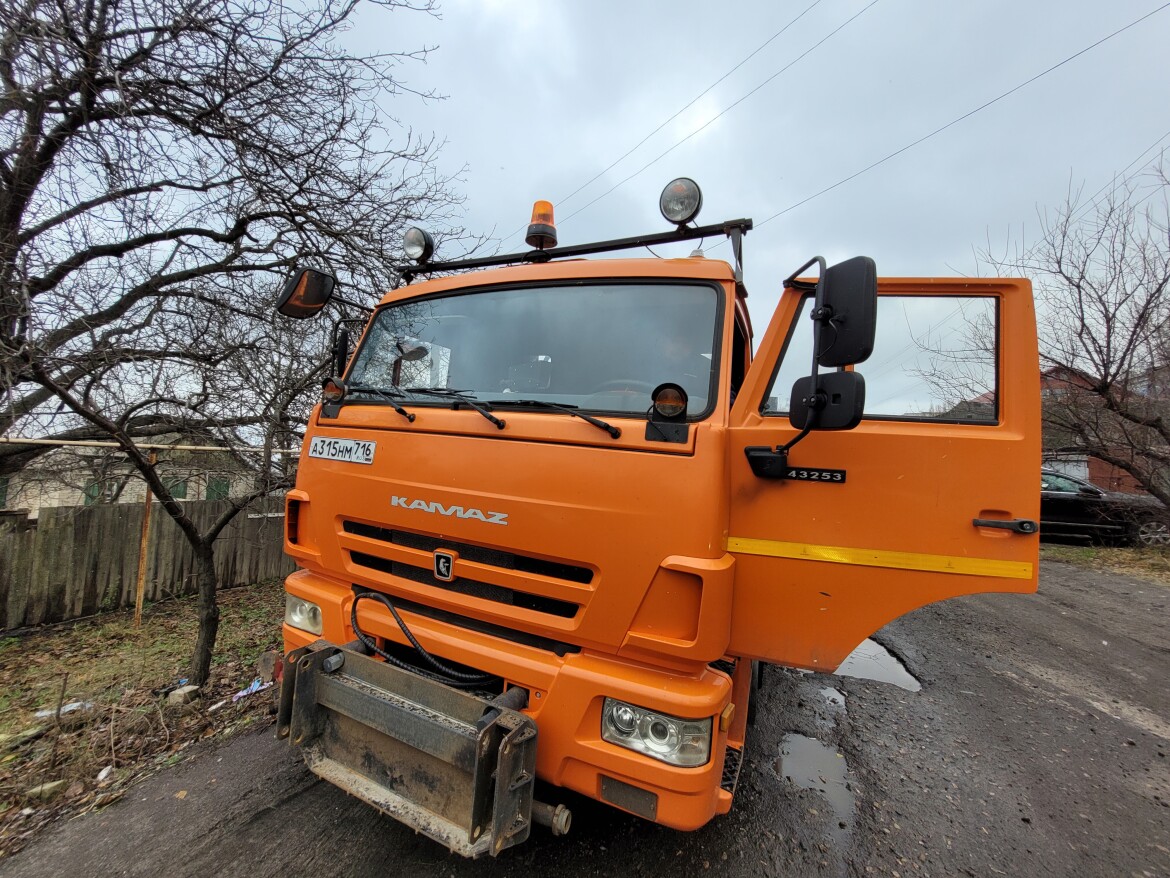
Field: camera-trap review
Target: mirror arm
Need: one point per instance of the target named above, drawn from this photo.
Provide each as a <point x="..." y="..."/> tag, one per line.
<point x="786" y="447"/>
<point x="339" y="345"/>
<point x="340" y="351"/>
<point x="820" y="314"/>
<point x="791" y="283"/>
<point x="736" y="233"/>
<point x="367" y="308"/>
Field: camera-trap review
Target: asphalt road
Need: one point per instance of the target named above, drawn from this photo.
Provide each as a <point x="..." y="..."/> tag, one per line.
<point x="1037" y="745"/>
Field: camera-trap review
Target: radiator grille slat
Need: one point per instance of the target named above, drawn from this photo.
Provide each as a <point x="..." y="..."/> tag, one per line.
<point x="478" y="554"/>
<point x="470" y="587"/>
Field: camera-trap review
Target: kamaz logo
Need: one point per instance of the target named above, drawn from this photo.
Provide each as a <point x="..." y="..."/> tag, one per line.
<point x="457" y="511"/>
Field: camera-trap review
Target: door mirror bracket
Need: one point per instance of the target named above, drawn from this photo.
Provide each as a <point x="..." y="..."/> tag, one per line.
<point x="845" y="316"/>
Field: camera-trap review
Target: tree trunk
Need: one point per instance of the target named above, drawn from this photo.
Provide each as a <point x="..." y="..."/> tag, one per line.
<point x="208" y="608"/>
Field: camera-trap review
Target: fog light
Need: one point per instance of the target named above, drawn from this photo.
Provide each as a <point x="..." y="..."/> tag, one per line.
<point x="301" y="614"/>
<point x="684" y="742"/>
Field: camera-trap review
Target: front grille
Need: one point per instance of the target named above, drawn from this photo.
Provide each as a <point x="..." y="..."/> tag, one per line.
<point x="478" y="554"/>
<point x="557" y="647"/>
<point x="470" y="587"/>
<point x="421" y="571"/>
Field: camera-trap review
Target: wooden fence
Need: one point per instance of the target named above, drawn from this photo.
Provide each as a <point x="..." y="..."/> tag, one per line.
<point x="77" y="561"/>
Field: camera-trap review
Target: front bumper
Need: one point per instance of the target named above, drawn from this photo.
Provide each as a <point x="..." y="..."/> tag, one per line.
<point x="455" y="767"/>
<point x="566" y="693"/>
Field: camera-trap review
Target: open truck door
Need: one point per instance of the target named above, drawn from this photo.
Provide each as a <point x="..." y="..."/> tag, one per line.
<point x="933" y="494"/>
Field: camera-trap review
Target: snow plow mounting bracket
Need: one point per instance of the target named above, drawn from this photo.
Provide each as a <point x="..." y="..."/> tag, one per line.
<point x="449" y="764"/>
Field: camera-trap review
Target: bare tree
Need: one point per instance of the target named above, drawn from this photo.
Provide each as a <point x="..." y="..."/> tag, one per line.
<point x="1101" y="272"/>
<point x="163" y="165"/>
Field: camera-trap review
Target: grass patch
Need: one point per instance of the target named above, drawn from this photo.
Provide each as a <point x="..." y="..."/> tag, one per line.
<point x="1150" y="564"/>
<point x="127" y="729"/>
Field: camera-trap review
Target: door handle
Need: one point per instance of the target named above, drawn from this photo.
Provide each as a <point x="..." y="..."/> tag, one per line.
<point x="1016" y="525"/>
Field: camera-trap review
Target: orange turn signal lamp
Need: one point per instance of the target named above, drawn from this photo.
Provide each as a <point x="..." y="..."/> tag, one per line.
<point x="333" y="390"/>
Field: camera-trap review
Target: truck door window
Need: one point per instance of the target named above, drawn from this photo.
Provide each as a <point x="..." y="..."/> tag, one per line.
<point x="601" y="347"/>
<point x="934" y="359"/>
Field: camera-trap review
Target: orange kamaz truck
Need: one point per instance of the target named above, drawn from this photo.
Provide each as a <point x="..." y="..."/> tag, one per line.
<point x="554" y="513"/>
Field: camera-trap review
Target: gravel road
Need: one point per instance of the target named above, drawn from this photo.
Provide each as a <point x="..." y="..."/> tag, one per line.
<point x="1037" y="745"/>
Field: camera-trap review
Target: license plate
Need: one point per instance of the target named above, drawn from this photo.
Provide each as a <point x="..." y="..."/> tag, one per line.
<point x="346" y="450"/>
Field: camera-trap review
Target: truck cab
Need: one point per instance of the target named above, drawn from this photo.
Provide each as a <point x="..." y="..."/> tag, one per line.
<point x="554" y="513"/>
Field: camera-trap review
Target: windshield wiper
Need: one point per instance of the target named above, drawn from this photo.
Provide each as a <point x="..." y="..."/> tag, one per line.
<point x="613" y="431"/>
<point x="460" y="397"/>
<point x="387" y="396"/>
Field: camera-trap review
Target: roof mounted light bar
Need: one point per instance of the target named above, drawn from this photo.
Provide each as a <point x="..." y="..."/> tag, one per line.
<point x="734" y="229"/>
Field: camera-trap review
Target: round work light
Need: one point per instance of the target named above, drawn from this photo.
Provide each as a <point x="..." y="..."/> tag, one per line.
<point x="670" y="401"/>
<point x="681" y="200"/>
<point x="419" y="245"/>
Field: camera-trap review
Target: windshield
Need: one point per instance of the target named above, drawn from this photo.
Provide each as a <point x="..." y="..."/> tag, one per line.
<point x="601" y="347"/>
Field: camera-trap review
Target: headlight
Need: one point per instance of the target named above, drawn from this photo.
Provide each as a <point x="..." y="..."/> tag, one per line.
<point x="685" y="742"/>
<point x="301" y="614"/>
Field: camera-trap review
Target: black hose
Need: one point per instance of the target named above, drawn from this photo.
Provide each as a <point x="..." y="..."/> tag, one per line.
<point x="443" y="673"/>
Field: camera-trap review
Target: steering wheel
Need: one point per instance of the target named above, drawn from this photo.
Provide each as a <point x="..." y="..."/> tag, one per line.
<point x="623" y="384"/>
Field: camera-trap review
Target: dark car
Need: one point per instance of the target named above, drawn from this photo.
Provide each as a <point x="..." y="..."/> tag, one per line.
<point x="1073" y="509"/>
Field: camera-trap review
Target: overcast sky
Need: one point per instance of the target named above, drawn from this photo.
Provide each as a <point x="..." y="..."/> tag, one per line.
<point x="541" y="97"/>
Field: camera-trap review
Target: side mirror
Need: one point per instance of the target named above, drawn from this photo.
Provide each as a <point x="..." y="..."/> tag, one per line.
<point x="846" y="312"/>
<point x="306" y="293"/>
<point x="833" y="401"/>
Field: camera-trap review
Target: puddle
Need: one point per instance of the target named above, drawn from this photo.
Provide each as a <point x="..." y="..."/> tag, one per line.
<point x="872" y="661"/>
<point x="810" y="765"/>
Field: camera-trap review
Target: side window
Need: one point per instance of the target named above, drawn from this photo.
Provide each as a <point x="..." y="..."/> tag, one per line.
<point x="1050" y="482"/>
<point x="934" y="359"/>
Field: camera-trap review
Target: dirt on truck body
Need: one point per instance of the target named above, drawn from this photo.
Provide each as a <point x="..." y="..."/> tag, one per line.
<point x="552" y="514"/>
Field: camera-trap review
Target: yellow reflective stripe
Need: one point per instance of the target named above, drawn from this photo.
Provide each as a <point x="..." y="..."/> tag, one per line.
<point x="881" y="558"/>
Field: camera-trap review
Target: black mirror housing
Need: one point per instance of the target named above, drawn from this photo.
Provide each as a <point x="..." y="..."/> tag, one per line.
<point x="836" y="402"/>
<point x="847" y="298"/>
<point x="306" y="293"/>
